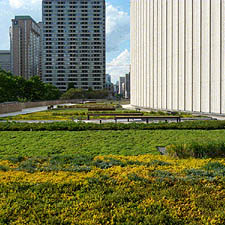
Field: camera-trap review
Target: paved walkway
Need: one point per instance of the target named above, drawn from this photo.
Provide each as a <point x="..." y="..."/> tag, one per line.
<point x="84" y="121"/>
<point x="100" y="121"/>
<point x="217" y="117"/>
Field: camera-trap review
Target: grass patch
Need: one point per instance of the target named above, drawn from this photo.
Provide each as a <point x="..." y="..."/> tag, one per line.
<point x="92" y="143"/>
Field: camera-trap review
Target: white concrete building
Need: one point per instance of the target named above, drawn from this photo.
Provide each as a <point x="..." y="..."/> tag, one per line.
<point x="178" y="55"/>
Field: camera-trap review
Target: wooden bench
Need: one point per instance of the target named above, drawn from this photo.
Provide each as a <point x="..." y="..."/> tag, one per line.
<point x="113" y="114"/>
<point x="101" y="109"/>
<point x="147" y="118"/>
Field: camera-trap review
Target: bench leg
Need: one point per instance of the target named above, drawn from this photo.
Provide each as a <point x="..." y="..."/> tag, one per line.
<point x="115" y="120"/>
<point x="88" y="118"/>
<point x="100" y="121"/>
<point x="128" y="120"/>
<point x="146" y="120"/>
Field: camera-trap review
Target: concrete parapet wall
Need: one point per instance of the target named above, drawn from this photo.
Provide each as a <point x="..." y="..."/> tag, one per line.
<point x="18" y="106"/>
<point x="10" y="107"/>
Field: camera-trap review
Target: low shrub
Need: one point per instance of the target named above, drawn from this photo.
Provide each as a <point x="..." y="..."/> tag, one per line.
<point x="158" y="163"/>
<point x="3" y="168"/>
<point x="214" y="166"/>
<point x="16" y="159"/>
<point x="197" y="150"/>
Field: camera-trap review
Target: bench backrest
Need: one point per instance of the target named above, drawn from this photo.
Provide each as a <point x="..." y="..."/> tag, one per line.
<point x="101" y="109"/>
<point x="150" y="117"/>
<point x="115" y="114"/>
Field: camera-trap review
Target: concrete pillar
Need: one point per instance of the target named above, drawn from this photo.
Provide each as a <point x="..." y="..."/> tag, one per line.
<point x="181" y="54"/>
<point x="196" y="55"/>
<point x="164" y="53"/>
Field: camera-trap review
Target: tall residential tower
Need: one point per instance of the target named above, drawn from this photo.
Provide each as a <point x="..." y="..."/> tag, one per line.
<point x="25" y="47"/>
<point x="74" y="43"/>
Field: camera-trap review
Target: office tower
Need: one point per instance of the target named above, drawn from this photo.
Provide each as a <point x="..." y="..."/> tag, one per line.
<point x="178" y="55"/>
<point x="5" y="60"/>
<point x="74" y="43"/>
<point x="127" y="86"/>
<point x="24" y="46"/>
<point x="122" y="86"/>
<point x="108" y="82"/>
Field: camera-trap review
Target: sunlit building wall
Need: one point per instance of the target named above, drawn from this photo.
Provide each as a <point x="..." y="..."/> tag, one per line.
<point x="178" y="55"/>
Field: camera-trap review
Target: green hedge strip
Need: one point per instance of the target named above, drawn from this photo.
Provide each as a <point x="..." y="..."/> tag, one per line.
<point x="80" y="126"/>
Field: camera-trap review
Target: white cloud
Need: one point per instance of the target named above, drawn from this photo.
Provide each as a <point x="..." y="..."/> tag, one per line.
<point x="16" y="3"/>
<point x="23" y="3"/>
<point x="119" y="66"/>
<point x="117" y="28"/>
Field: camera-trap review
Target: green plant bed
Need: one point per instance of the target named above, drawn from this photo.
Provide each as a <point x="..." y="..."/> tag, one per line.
<point x="80" y="113"/>
<point x="145" y="189"/>
<point x="108" y="177"/>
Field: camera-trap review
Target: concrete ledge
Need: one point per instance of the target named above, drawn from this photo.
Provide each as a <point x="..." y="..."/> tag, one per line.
<point x="19" y="106"/>
<point x="222" y="116"/>
<point x="10" y="107"/>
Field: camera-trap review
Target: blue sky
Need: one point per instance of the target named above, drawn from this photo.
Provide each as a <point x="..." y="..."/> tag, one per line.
<point x="117" y="29"/>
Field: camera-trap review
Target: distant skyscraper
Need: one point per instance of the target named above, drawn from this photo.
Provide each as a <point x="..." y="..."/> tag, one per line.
<point x="74" y="43"/>
<point x="127" y="86"/>
<point x="108" y="78"/>
<point x="25" y="46"/>
<point x="122" y="86"/>
<point x="5" y="60"/>
<point x="108" y="83"/>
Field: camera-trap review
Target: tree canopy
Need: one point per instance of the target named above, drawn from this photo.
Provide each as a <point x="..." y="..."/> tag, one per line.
<point x="16" y="88"/>
<point x="73" y="93"/>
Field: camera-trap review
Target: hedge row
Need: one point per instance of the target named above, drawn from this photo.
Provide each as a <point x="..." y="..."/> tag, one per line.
<point x="80" y="126"/>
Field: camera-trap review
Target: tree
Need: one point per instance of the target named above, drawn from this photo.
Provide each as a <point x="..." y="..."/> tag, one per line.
<point x="70" y="85"/>
<point x="16" y="88"/>
<point x="83" y="94"/>
<point x="8" y="87"/>
<point x="51" y="92"/>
